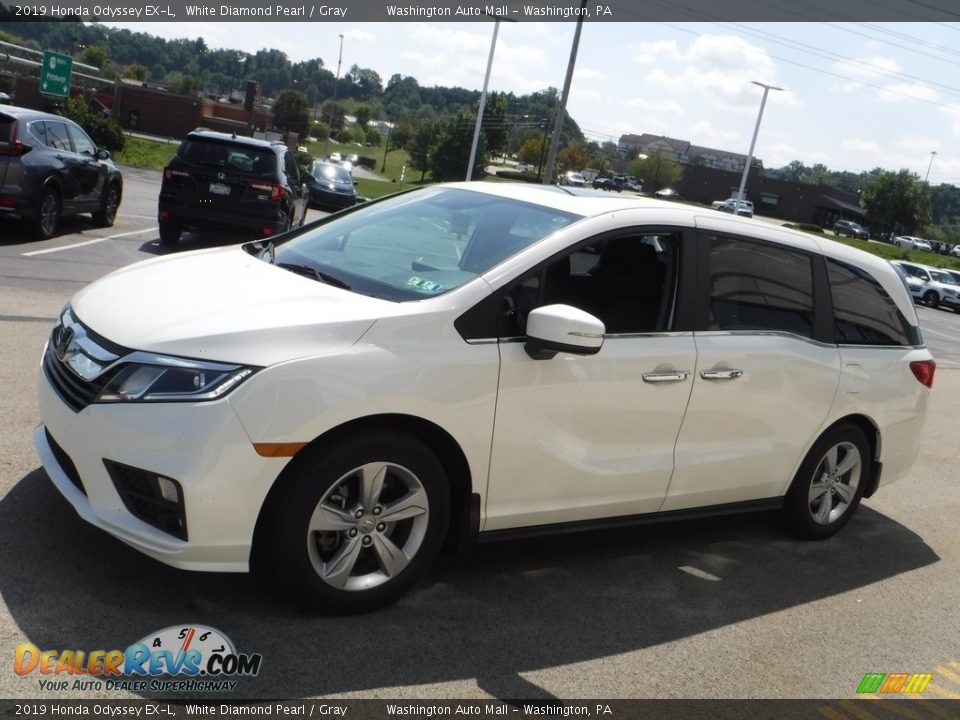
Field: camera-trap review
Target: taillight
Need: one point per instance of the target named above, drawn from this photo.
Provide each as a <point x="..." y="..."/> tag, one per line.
<point x="923" y="371"/>
<point x="276" y="191"/>
<point x="169" y="173"/>
<point x="267" y="231"/>
<point x="15" y="148"/>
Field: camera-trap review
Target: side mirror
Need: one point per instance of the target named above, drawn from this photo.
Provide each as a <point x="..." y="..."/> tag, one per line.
<point x="562" y="328"/>
<point x="103" y="154"/>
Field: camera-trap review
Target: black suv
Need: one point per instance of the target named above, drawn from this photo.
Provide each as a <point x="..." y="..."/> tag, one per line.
<point x="227" y="182"/>
<point x="49" y="167"/>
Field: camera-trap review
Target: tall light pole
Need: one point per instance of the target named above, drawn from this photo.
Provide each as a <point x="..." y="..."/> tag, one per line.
<point x="933" y="154"/>
<point x="326" y="145"/>
<point x="547" y="177"/>
<point x="753" y="142"/>
<point x="483" y="101"/>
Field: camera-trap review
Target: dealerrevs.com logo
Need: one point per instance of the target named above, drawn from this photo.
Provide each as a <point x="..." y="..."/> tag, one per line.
<point x="183" y="658"/>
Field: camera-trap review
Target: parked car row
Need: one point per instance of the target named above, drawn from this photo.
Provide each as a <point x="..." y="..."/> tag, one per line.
<point x="935" y="287"/>
<point x="734" y="206"/>
<point x="911" y="243"/>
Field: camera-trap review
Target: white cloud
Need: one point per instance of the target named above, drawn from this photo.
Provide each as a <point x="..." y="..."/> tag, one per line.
<point x="360" y="35"/>
<point x="900" y="92"/>
<point x="711" y="136"/>
<point x="855" y="145"/>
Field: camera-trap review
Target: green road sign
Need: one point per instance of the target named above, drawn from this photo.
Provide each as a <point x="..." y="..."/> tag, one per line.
<point x="56" y="74"/>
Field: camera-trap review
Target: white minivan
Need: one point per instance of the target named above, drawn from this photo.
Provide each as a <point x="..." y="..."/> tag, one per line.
<point x="470" y="362"/>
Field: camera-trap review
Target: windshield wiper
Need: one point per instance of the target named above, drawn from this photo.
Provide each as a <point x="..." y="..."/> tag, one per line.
<point x="312" y="272"/>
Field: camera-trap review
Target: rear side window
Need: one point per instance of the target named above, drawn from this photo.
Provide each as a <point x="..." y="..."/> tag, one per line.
<point x="235" y="158"/>
<point x="864" y="314"/>
<point x="756" y="286"/>
<point x="57" y="136"/>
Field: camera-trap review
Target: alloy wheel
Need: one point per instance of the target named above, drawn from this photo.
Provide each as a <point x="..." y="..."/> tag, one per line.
<point x="835" y="483"/>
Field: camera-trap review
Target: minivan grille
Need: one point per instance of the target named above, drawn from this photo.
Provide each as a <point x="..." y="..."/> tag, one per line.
<point x="76" y="392"/>
<point x="70" y="342"/>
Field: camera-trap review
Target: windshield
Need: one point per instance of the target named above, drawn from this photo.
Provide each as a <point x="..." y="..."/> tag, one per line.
<point x="328" y="171"/>
<point x="420" y="244"/>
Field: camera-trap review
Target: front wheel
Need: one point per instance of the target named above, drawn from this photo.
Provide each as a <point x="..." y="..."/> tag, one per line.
<point x="931" y="298"/>
<point x="354" y="526"/>
<point x="107" y="214"/>
<point x="829" y="484"/>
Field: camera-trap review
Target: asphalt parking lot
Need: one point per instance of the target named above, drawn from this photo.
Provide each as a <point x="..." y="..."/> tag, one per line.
<point x="726" y="608"/>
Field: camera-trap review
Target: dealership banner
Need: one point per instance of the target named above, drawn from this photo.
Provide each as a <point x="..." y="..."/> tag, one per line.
<point x="446" y="11"/>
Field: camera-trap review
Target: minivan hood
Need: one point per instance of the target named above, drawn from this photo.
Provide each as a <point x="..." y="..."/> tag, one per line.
<point x="225" y="305"/>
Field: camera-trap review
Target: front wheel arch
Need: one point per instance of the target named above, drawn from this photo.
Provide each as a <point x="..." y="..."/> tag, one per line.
<point x="447" y="449"/>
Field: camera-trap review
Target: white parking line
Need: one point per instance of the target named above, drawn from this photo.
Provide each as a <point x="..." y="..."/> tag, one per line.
<point x="949" y="337"/>
<point x="88" y="242"/>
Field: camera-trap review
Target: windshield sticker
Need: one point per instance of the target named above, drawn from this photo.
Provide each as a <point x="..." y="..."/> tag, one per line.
<point x="423" y="284"/>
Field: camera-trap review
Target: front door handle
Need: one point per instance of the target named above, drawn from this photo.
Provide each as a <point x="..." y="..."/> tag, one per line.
<point x="676" y="376"/>
<point x="721" y="374"/>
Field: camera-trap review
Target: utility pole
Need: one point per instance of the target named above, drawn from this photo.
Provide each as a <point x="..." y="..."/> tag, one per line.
<point x="753" y="142"/>
<point x="326" y="145"/>
<point x="547" y="178"/>
<point x="483" y="102"/>
<point x="933" y="154"/>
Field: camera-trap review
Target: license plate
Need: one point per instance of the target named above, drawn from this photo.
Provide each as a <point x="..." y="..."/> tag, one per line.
<point x="219" y="189"/>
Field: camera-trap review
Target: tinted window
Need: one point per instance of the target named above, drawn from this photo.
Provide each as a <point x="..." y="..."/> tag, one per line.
<point x="236" y="158"/>
<point x="329" y="171"/>
<point x="756" y="286"/>
<point x="81" y="143"/>
<point x="864" y="313"/>
<point x="627" y="282"/>
<point x="57" y="137"/>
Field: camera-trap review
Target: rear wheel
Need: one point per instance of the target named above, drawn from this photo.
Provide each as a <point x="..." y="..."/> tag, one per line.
<point x="829" y="484"/>
<point x="354" y="526"/>
<point x="105" y="216"/>
<point x="47" y="219"/>
<point x="169" y="234"/>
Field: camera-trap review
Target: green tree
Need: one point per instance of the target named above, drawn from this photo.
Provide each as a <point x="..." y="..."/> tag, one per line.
<point x="290" y="112"/>
<point x="105" y="132"/>
<point x="363" y="115"/>
<point x="532" y="152"/>
<point x="573" y="157"/>
<point x="418" y="147"/>
<point x="450" y="153"/>
<point x="899" y="200"/>
<point x="95" y="56"/>
<point x="657" y="170"/>
<point x="135" y="72"/>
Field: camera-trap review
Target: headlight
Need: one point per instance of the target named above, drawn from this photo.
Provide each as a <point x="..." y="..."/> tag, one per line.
<point x="144" y="377"/>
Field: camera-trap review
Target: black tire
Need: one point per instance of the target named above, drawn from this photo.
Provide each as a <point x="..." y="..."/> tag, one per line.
<point x="829" y="484"/>
<point x="47" y="219"/>
<point x="330" y="544"/>
<point x="169" y="234"/>
<point x="931" y="298"/>
<point x="105" y="216"/>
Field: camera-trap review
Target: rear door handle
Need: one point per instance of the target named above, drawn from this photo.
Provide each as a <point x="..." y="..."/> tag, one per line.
<point x="677" y="376"/>
<point x="721" y="374"/>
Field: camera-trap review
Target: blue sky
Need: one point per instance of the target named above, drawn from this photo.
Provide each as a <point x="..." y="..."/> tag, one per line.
<point x="857" y="95"/>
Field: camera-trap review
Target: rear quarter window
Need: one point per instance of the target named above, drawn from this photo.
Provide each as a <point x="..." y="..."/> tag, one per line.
<point x="864" y="313"/>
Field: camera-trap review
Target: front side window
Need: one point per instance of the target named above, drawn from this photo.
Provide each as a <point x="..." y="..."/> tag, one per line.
<point x="81" y="143"/>
<point x="758" y="286"/>
<point x="419" y="244"/>
<point x="864" y="314"/>
<point x="626" y="281"/>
